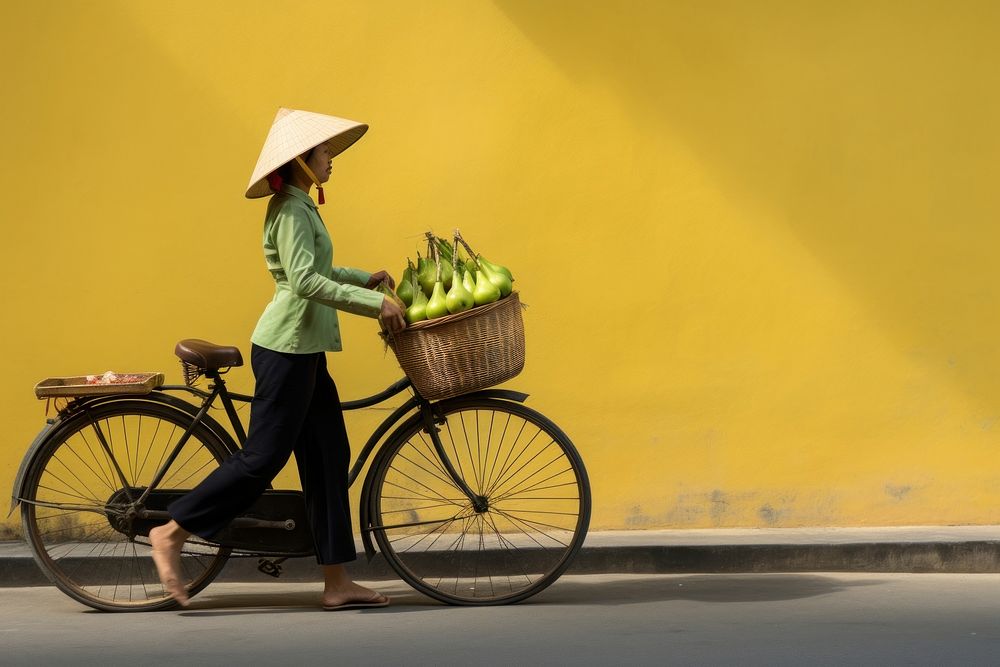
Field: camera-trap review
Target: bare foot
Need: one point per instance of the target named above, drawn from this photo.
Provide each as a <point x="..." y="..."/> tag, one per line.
<point x="339" y="592"/>
<point x="352" y="596"/>
<point x="167" y="542"/>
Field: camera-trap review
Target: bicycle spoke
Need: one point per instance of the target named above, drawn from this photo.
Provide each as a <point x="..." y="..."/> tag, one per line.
<point x="555" y="486"/>
<point x="535" y="515"/>
<point x="70" y="486"/>
<point x="531" y="536"/>
<point x="89" y="559"/>
<point x="503" y="473"/>
<point x="97" y="503"/>
<point x="517" y="487"/>
<point x="108" y="473"/>
<point x="109" y="451"/>
<point x="504" y="540"/>
<point x="454" y="448"/>
<point x="529" y="523"/>
<point x="86" y="465"/>
<point x="138" y="447"/>
<point x="433" y="459"/>
<point x="77" y="501"/>
<point x="432" y="474"/>
<point x="503" y="436"/>
<point x="176" y="469"/>
<point x="479" y="453"/>
<point x="147" y="450"/>
<point x="180" y="484"/>
<point x="435" y="492"/>
<point x="482" y="548"/>
<point x="166" y="446"/>
<point x="130" y="481"/>
<point x="445" y="524"/>
<point x="56" y="515"/>
<point x="416" y="509"/>
<point x="507" y="462"/>
<point x="71" y="530"/>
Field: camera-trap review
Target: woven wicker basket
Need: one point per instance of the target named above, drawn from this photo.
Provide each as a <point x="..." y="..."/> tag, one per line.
<point x="465" y="352"/>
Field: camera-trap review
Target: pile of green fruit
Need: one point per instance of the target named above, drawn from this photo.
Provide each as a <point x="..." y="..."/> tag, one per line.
<point x="446" y="282"/>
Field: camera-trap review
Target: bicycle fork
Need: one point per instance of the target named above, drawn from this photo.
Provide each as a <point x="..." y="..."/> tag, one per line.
<point x="430" y="419"/>
<point x="479" y="503"/>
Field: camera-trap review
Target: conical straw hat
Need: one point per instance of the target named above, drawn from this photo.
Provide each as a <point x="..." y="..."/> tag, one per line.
<point x="295" y="132"/>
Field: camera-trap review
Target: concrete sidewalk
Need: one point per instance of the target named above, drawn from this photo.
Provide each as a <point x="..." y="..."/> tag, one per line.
<point x="970" y="549"/>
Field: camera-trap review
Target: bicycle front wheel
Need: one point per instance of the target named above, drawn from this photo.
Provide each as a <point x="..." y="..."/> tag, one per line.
<point x="79" y="506"/>
<point x="532" y="514"/>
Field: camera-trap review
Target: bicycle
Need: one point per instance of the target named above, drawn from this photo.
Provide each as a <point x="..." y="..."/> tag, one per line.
<point x="472" y="500"/>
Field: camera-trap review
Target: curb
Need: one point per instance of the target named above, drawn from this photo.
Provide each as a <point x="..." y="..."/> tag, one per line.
<point x="17" y="568"/>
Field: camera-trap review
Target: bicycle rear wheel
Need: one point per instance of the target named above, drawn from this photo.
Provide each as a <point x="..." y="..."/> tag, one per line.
<point x="534" y="516"/>
<point x="79" y="502"/>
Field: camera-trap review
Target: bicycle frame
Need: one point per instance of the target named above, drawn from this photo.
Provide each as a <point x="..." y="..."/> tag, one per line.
<point x="428" y="416"/>
<point x="219" y="391"/>
<point x="422" y="409"/>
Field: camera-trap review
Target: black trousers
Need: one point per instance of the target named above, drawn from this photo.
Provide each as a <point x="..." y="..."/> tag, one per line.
<point x="296" y="408"/>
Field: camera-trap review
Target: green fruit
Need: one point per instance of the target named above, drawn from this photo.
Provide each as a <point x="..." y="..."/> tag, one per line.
<point x="501" y="281"/>
<point x="418" y="309"/>
<point x="446" y="274"/>
<point x="405" y="289"/>
<point x="468" y="282"/>
<point x="486" y="291"/>
<point x="459" y="298"/>
<point x="437" y="305"/>
<point x="426" y="274"/>
<point x="496" y="268"/>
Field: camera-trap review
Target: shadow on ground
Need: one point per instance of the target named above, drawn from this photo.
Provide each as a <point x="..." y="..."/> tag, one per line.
<point x="283" y="600"/>
<point x="570" y="590"/>
<point x="700" y="588"/>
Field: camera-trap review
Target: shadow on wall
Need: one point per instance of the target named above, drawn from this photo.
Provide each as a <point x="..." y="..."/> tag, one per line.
<point x="865" y="128"/>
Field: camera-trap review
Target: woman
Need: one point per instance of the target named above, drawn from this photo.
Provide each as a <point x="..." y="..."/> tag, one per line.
<point x="295" y="405"/>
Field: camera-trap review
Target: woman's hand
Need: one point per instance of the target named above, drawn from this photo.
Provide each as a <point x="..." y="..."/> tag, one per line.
<point x="380" y="277"/>
<point x="392" y="316"/>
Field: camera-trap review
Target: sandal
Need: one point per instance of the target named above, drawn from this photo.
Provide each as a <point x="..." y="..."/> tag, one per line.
<point x="376" y="600"/>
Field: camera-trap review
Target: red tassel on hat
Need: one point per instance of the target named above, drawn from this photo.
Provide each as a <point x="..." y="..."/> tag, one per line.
<point x="274" y="180"/>
<point x="322" y="199"/>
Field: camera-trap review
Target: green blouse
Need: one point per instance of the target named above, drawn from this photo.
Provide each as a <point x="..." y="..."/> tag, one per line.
<point x="308" y="289"/>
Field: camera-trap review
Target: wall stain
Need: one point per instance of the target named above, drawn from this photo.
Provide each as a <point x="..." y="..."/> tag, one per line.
<point x="636" y="518"/>
<point x="720" y="505"/>
<point x="899" y="493"/>
<point x="719" y="508"/>
<point x="684" y="513"/>
<point x="770" y="515"/>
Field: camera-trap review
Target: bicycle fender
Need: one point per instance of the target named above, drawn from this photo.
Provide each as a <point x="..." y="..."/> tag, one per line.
<point x="29" y="458"/>
<point x="504" y="394"/>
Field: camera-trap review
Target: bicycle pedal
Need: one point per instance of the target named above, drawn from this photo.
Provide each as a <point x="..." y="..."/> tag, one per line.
<point x="269" y="567"/>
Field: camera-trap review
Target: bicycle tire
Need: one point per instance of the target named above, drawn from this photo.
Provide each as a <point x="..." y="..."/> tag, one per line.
<point x="74" y="502"/>
<point x="532" y="478"/>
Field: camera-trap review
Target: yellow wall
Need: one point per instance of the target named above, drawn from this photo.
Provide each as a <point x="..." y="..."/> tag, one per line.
<point x="757" y="238"/>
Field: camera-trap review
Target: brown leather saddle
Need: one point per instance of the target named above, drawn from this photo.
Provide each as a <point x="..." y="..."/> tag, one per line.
<point x="208" y="356"/>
